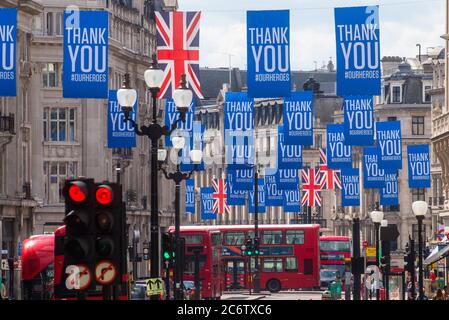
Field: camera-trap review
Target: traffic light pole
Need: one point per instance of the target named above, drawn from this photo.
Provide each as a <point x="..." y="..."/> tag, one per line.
<point x="412" y="267"/>
<point x="377" y="227"/>
<point x="256" y="231"/>
<point x="356" y="252"/>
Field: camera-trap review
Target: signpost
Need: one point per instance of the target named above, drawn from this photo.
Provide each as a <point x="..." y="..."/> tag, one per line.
<point x="154" y="286"/>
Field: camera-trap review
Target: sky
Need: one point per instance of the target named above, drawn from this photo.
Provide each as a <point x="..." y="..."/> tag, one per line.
<point x="403" y="24"/>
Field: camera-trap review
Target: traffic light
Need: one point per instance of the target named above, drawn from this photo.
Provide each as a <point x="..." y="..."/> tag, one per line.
<point x="95" y="229"/>
<point x="168" y="248"/>
<point x="256" y="246"/>
<point x="249" y="247"/>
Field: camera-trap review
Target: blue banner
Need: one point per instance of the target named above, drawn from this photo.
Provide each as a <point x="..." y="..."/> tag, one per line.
<point x="120" y="134"/>
<point x="207" y="204"/>
<point x="190" y="196"/>
<point x="373" y="176"/>
<point x="268" y="53"/>
<point x="418" y="166"/>
<point x="389" y="193"/>
<point x="359" y="120"/>
<point x="171" y="115"/>
<point x="85" y="73"/>
<point x="243" y="179"/>
<point x="239" y="129"/>
<point x="339" y="155"/>
<point x="8" y="49"/>
<point x="194" y="141"/>
<point x="289" y="155"/>
<point x="274" y="195"/>
<point x="287" y="179"/>
<point x="292" y="201"/>
<point x="358" y="51"/>
<point x="298" y="118"/>
<point x="234" y="197"/>
<point x="389" y="141"/>
<point x="350" y="187"/>
<point x="261" y="198"/>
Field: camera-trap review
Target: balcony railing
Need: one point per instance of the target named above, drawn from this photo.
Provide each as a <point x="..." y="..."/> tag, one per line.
<point x="7" y="123"/>
<point x="124" y="153"/>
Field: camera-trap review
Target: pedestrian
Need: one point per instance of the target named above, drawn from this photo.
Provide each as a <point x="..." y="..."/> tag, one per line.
<point x="3" y="291"/>
<point x="439" y="295"/>
<point x="445" y="293"/>
<point x="368" y="286"/>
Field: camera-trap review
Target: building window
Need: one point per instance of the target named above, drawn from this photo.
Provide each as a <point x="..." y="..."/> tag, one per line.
<point x="55" y="175"/>
<point x="426" y="94"/>
<point x="396" y="95"/>
<point x="50" y="75"/>
<point x="54" y="23"/>
<point x="418" y="194"/>
<point x="392" y="119"/>
<point x="318" y="141"/>
<point x="59" y="124"/>
<point x="418" y="126"/>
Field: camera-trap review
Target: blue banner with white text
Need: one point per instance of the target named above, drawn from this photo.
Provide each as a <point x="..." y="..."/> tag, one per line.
<point x="287" y="179"/>
<point x="260" y="200"/>
<point x="8" y="49"/>
<point x="120" y="134"/>
<point x="289" y="156"/>
<point x="373" y="176"/>
<point x="190" y="196"/>
<point x="194" y="141"/>
<point x="274" y="195"/>
<point x="418" y="166"/>
<point x="238" y="129"/>
<point x="298" y="118"/>
<point x="339" y="155"/>
<point x="243" y="179"/>
<point x="359" y="120"/>
<point x="292" y="200"/>
<point x="389" y="140"/>
<point x="171" y="115"/>
<point x="389" y="194"/>
<point x="268" y="53"/>
<point x="207" y="204"/>
<point x="85" y="73"/>
<point x="358" y="51"/>
<point x="350" y="187"/>
<point x="234" y="196"/>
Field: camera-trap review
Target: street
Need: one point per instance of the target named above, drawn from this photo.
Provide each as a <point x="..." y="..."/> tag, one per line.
<point x="282" y="295"/>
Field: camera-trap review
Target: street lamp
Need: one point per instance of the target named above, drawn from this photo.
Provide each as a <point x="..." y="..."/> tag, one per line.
<point x="419" y="208"/>
<point x="127" y="98"/>
<point x="386" y="258"/>
<point x="178" y="177"/>
<point x="376" y="217"/>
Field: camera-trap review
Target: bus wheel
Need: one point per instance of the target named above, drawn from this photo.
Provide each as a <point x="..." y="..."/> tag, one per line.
<point x="273" y="285"/>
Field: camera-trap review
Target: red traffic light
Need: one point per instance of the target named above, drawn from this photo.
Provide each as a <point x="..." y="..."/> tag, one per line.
<point x="104" y="194"/>
<point x="78" y="191"/>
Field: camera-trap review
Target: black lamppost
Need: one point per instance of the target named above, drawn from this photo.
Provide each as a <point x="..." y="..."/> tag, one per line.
<point x="386" y="258"/>
<point x="419" y="208"/>
<point x="256" y="231"/>
<point x="127" y="97"/>
<point x="178" y="177"/>
<point x="377" y="217"/>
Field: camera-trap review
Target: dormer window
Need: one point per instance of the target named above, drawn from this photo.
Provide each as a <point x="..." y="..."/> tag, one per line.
<point x="396" y="94"/>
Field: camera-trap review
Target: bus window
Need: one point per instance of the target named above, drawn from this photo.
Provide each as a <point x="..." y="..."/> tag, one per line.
<point x="335" y="246"/>
<point x="190" y="263"/>
<point x="272" y="265"/>
<point x="291" y="265"/>
<point x="294" y="236"/>
<point x="272" y="237"/>
<point x="193" y="238"/>
<point x="216" y="239"/>
<point x="234" y="238"/>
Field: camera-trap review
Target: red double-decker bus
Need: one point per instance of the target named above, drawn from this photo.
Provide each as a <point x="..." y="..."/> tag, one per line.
<point x="289" y="256"/>
<point x="207" y="243"/>
<point x="335" y="252"/>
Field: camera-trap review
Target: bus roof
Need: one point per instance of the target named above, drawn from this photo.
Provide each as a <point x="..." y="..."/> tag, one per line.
<point x="37" y="254"/>
<point x="251" y="227"/>
<point x="335" y="238"/>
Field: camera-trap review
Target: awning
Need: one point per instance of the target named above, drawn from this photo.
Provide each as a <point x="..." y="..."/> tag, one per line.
<point x="437" y="254"/>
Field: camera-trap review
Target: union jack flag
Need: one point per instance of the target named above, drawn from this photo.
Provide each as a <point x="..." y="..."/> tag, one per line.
<point x="312" y="184"/>
<point x="178" y="50"/>
<point x="330" y="177"/>
<point x="220" y="197"/>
